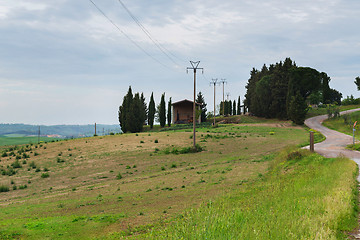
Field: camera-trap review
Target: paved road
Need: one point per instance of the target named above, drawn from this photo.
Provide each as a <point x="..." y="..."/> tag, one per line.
<point x="335" y="142"/>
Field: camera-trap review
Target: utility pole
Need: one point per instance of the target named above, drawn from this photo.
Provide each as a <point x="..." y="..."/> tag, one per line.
<point x="194" y="66"/>
<point x="95" y="130"/>
<point x="227" y="96"/>
<point x="39" y="135"/>
<point x="223" y="81"/>
<point x="213" y="81"/>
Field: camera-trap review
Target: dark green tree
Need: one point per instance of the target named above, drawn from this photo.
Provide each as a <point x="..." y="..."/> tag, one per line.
<point x="169" y="113"/>
<point x="162" y="111"/>
<point x="238" y="107"/>
<point x="151" y="111"/>
<point x="200" y="99"/>
<point x="357" y="82"/>
<point x="325" y="79"/>
<point x="297" y="109"/>
<point x="132" y="113"/>
<point x="335" y="96"/>
<point x="144" y="107"/>
<point x="234" y="108"/>
<point x="124" y="110"/>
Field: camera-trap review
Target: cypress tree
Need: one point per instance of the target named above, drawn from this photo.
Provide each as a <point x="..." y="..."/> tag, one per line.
<point x="229" y="103"/>
<point x="144" y="108"/>
<point x="234" y="108"/>
<point x="238" y="107"/>
<point x="162" y="111"/>
<point x="124" y="110"/>
<point x="151" y="112"/>
<point x="169" y="113"/>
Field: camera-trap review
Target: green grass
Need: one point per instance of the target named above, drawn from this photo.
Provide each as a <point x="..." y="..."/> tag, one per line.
<point x="313" y="112"/>
<point x="303" y="197"/>
<point x="83" y="197"/>
<point x="340" y="125"/>
<point x="18" y="140"/>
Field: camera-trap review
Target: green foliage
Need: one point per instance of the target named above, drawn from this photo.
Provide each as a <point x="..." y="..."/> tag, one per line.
<point x="45" y="175"/>
<point x="4" y="188"/>
<point x="119" y="176"/>
<point x="270" y="91"/>
<point x="151" y="113"/>
<point x="238" y="111"/>
<point x="297" y="109"/>
<point x="200" y="99"/>
<point x="162" y="111"/>
<point x="350" y="101"/>
<point x="132" y="112"/>
<point x="333" y="111"/>
<point x="169" y="113"/>
<point x="357" y="82"/>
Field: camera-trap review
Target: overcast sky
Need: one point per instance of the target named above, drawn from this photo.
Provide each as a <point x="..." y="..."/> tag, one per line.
<point x="63" y="62"/>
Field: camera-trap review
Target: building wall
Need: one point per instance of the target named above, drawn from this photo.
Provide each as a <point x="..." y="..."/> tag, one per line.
<point x="182" y="113"/>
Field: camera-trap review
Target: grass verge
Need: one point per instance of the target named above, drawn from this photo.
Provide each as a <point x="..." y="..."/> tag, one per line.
<point x="304" y="196"/>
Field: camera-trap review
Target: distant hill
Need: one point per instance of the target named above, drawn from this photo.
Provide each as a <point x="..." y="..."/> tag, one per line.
<point x="62" y="130"/>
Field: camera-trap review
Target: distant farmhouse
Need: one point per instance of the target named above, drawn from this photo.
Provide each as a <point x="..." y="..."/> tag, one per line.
<point x="182" y="112"/>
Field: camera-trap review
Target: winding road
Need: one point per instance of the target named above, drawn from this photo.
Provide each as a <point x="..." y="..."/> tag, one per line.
<point x="335" y="142"/>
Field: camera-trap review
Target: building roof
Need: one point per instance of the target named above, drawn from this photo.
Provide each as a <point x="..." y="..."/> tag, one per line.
<point x="185" y="101"/>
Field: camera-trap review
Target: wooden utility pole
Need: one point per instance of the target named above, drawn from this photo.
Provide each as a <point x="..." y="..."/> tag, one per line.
<point x="39" y="135"/>
<point x="194" y="67"/>
<point x="311" y="141"/>
<point x="214" y="80"/>
<point x="223" y="81"/>
<point x="95" y="130"/>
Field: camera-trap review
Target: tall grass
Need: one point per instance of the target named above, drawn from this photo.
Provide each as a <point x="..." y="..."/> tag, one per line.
<point x="304" y="196"/>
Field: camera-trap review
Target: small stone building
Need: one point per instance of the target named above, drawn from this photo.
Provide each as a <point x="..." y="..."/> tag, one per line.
<point x="182" y="112"/>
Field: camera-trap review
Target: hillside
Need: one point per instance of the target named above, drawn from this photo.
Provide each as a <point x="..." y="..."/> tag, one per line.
<point x="123" y="185"/>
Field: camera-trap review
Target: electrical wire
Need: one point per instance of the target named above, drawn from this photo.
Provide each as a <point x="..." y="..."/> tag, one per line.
<point x="147" y="33"/>
<point x="127" y="36"/>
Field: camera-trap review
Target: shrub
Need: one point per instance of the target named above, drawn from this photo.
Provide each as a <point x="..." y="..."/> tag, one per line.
<point x="32" y="164"/>
<point x="119" y="176"/>
<point x="4" y="188"/>
<point x="16" y="164"/>
<point x="4" y="154"/>
<point x="156" y="141"/>
<point x="45" y="175"/>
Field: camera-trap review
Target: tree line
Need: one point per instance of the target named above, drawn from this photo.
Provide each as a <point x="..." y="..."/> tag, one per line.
<point x="134" y="113"/>
<point x="283" y="90"/>
<point x="229" y="107"/>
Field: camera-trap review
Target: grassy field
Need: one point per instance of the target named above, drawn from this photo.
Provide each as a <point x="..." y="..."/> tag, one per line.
<point x="18" y="139"/>
<point x="126" y="185"/>
<point x="303" y="197"/>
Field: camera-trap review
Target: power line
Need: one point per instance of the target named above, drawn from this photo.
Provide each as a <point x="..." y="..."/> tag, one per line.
<point x="214" y="81"/>
<point x="157" y="44"/>
<point x="117" y="27"/>
<point x="223" y="81"/>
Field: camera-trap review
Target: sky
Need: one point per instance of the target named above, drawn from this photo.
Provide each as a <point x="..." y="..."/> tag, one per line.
<point x="64" y="62"/>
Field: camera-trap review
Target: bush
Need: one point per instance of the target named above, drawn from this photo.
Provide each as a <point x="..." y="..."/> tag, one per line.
<point x="45" y="175"/>
<point x="4" y="154"/>
<point x="16" y="164"/>
<point x="119" y="176"/>
<point x="32" y="164"/>
<point x="4" y="188"/>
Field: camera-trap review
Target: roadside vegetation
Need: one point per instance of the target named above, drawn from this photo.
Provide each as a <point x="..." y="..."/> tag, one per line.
<point x="303" y="196"/>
